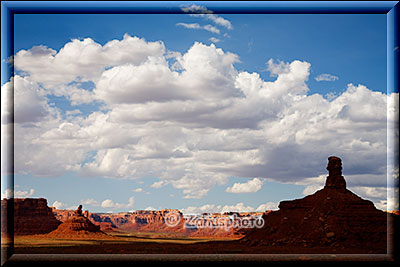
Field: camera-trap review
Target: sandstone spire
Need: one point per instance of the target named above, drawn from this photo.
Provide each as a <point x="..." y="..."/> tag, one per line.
<point x="78" y="211"/>
<point x="335" y="178"/>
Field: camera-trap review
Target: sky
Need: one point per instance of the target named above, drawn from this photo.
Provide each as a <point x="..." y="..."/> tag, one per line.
<point x="199" y="111"/>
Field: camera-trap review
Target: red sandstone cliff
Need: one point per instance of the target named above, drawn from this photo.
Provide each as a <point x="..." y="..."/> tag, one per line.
<point x="155" y="221"/>
<point x="62" y="215"/>
<point x="222" y="225"/>
<point x="31" y="216"/>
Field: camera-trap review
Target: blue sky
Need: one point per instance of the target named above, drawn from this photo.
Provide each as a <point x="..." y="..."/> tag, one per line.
<point x="350" y="46"/>
<point x="332" y="67"/>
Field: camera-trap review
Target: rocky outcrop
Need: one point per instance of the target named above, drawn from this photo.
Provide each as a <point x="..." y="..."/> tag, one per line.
<point x="77" y="227"/>
<point x="105" y="222"/>
<point x="155" y="221"/>
<point x="31" y="216"/>
<point x="225" y="225"/>
<point x="109" y="221"/>
<point x="335" y="179"/>
<point x="106" y="226"/>
<point x="62" y="215"/>
<point x="145" y="217"/>
<point x="141" y="220"/>
<point x="332" y="216"/>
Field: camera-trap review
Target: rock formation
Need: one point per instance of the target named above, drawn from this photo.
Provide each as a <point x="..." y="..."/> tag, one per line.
<point x="332" y="216"/>
<point x="154" y="221"/>
<point x="140" y="220"/>
<point x="221" y="225"/>
<point x="62" y="215"/>
<point x="110" y="221"/>
<point x="78" y="211"/>
<point x="335" y="178"/>
<point x="77" y="227"/>
<point x="104" y="221"/>
<point x="31" y="216"/>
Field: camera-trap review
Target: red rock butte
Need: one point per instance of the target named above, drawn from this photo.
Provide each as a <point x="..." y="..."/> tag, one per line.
<point x="332" y="216"/>
<point x="77" y="227"/>
<point x="31" y="216"/>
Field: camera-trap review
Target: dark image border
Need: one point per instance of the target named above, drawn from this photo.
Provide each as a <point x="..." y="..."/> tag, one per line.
<point x="9" y="9"/>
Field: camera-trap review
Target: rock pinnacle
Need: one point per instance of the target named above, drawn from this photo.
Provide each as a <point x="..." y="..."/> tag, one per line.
<point x="335" y="179"/>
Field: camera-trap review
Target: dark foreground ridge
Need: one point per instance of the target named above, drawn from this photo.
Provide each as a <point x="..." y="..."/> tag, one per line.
<point x="332" y="216"/>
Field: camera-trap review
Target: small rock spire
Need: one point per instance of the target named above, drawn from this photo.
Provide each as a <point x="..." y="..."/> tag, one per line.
<point x="79" y="211"/>
<point x="335" y="178"/>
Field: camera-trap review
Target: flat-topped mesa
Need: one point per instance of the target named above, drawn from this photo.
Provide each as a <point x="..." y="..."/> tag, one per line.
<point x="31" y="216"/>
<point x="335" y="179"/>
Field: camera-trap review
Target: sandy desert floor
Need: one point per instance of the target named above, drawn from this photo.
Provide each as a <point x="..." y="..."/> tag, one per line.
<point x="156" y="243"/>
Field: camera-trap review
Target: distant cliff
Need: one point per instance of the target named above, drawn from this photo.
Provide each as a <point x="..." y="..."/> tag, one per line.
<point x="155" y="221"/>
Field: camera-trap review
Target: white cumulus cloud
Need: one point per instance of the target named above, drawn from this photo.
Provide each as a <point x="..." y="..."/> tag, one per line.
<point x="207" y="27"/>
<point x="326" y="77"/>
<point x="248" y="187"/>
<point x="192" y="124"/>
<point x="91" y="202"/>
<point x="110" y="204"/>
<point x="137" y="190"/>
<point x="17" y="193"/>
<point x="83" y="58"/>
<point x="238" y="207"/>
<point x="59" y="205"/>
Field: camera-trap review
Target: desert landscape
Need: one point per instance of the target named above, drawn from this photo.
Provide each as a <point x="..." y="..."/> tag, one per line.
<point x="333" y="220"/>
<point x="178" y="130"/>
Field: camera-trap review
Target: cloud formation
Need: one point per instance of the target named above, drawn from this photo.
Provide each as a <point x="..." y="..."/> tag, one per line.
<point x="8" y="193"/>
<point x="59" y="205"/>
<point x="30" y="104"/>
<point x="326" y="77"/>
<point x="82" y="59"/>
<point x="203" y="12"/>
<point x="214" y="40"/>
<point x="91" y="202"/>
<point x="109" y="204"/>
<point x="137" y="190"/>
<point x="249" y="187"/>
<point x="238" y="207"/>
<point x="207" y="27"/>
<point x="192" y="124"/>
<point x="220" y="23"/>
